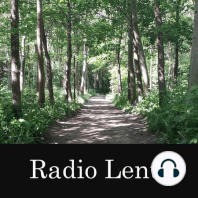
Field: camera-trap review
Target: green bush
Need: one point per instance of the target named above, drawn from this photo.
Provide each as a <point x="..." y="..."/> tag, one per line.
<point x="176" y="121"/>
<point x="31" y="126"/>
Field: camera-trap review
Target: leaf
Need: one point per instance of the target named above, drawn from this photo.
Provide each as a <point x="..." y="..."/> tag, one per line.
<point x="193" y="141"/>
<point x="26" y="123"/>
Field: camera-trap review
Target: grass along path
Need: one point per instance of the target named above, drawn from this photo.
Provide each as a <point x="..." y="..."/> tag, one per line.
<point x="99" y="122"/>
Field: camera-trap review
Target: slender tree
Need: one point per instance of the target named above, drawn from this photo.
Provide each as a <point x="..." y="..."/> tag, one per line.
<point x="69" y="50"/>
<point x="160" y="47"/>
<point x="131" y="73"/>
<point x="22" y="73"/>
<point x="137" y="71"/>
<point x="83" y="80"/>
<point x="48" y="65"/>
<point x="118" y="63"/>
<point x="15" y="65"/>
<point x="176" y="65"/>
<point x="193" y="75"/>
<point x="41" y="75"/>
<point x="140" y="48"/>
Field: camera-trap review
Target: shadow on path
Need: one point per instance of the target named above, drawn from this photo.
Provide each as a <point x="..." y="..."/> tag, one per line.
<point x="99" y="122"/>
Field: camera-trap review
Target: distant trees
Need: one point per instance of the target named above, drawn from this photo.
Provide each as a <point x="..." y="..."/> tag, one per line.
<point x="122" y="37"/>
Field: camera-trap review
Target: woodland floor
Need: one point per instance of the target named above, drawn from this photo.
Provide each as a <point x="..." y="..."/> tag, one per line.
<point x="99" y="122"/>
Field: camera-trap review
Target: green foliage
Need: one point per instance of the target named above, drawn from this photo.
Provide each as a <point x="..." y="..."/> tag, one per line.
<point x="176" y="122"/>
<point x="30" y="128"/>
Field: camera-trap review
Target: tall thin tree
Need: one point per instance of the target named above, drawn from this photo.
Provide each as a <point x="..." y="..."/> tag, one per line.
<point x="83" y="80"/>
<point x="176" y="64"/>
<point x="22" y="73"/>
<point x="69" y="50"/>
<point x="15" y="65"/>
<point x="48" y="65"/>
<point x="131" y="72"/>
<point x="193" y="75"/>
<point x="160" y="47"/>
<point x="41" y="75"/>
<point x="140" y="48"/>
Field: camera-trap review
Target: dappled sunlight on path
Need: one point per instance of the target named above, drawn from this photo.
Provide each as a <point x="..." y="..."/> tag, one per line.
<point x="99" y="122"/>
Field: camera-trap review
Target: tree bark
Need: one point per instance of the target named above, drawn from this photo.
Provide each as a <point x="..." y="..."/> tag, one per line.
<point x="15" y="65"/>
<point x="140" y="48"/>
<point x="41" y="75"/>
<point x="83" y="80"/>
<point x="138" y="71"/>
<point x="193" y="74"/>
<point x="65" y="82"/>
<point x="160" y="47"/>
<point x="48" y="66"/>
<point x="69" y="50"/>
<point x="131" y="73"/>
<point x="22" y="73"/>
<point x="74" y="78"/>
<point x="118" y="64"/>
<point x="176" y="65"/>
<point x="76" y="72"/>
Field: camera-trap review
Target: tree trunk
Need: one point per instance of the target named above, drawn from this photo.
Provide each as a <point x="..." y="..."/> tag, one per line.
<point x="65" y="82"/>
<point x="140" y="48"/>
<point x="74" y="78"/>
<point x="2" y="67"/>
<point x="118" y="64"/>
<point x="76" y="72"/>
<point x="48" y="66"/>
<point x="160" y="47"/>
<point x="69" y="50"/>
<point x="22" y="73"/>
<point x="41" y="75"/>
<point x="193" y="74"/>
<point x="151" y="67"/>
<point x="176" y="65"/>
<point x="15" y="65"/>
<point x="83" y="80"/>
<point x="138" y="71"/>
<point x="131" y="73"/>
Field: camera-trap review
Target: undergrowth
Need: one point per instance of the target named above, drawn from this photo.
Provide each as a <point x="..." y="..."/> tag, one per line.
<point x="30" y="127"/>
<point x="176" y="121"/>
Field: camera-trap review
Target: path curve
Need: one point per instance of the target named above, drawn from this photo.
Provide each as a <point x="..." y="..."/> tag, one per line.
<point x="99" y="122"/>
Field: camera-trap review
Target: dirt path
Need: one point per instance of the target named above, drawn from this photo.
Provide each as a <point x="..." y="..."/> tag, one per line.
<point x="99" y="122"/>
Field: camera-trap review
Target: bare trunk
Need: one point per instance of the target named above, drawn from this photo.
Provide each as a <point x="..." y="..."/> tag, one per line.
<point x="22" y="72"/>
<point x="193" y="75"/>
<point x="83" y="80"/>
<point x="76" y="73"/>
<point x="65" y="82"/>
<point x="140" y="48"/>
<point x="151" y="67"/>
<point x="131" y="73"/>
<point x="15" y="66"/>
<point x="69" y="50"/>
<point x="48" y="66"/>
<point x="41" y="75"/>
<point x="160" y="47"/>
<point x="119" y="75"/>
<point x="176" y="65"/>
<point x="138" y="71"/>
<point x="118" y="65"/>
<point x="74" y="78"/>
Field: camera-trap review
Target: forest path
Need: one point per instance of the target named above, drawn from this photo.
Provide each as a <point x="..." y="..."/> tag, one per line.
<point x="99" y="122"/>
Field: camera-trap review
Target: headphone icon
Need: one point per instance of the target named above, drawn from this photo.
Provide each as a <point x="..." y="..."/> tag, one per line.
<point x="175" y="171"/>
